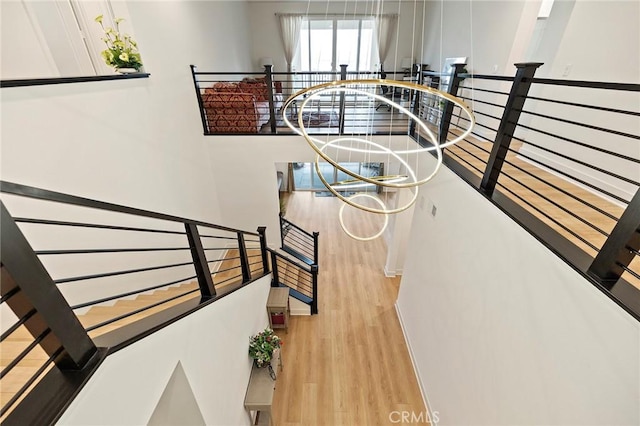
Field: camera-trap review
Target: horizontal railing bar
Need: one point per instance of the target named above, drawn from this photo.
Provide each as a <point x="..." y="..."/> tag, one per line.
<point x="251" y="241"/>
<point x="478" y="89"/>
<point x="484" y="114"/>
<point x="218" y="237"/>
<point x="302" y="266"/>
<point x="301" y="250"/>
<point x="93" y="225"/>
<point x="576" y="123"/>
<point x="255" y="263"/>
<point x="226" y="258"/>
<point x="550" y="201"/>
<point x="302" y="289"/>
<point x="255" y="255"/>
<point x="628" y="87"/>
<point x="470" y="142"/>
<point x="233" y="268"/>
<point x="488" y="77"/>
<point x="228" y="279"/>
<point x="598" y="108"/>
<point x="137" y="311"/>
<point x="293" y="225"/>
<point x="130" y="293"/>
<point x="632" y="250"/>
<point x="557" y="188"/>
<point x="479" y="125"/>
<point x="304" y="239"/>
<point x="629" y="270"/>
<point x="42" y="194"/>
<point x="220" y="248"/>
<point x="89" y="251"/>
<point x="548" y="217"/>
<point x="290" y="239"/>
<point x="24" y="353"/>
<point x="555" y="169"/>
<point x="8" y="295"/>
<point x="460" y="147"/>
<point x="29" y="382"/>
<point x="298" y="273"/>
<point x="583" y="163"/>
<point x="482" y="102"/>
<point x="595" y="148"/>
<point x="17" y="324"/>
<point x="111" y="274"/>
<point x="450" y="152"/>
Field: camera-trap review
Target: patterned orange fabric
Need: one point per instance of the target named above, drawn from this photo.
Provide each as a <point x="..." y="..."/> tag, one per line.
<point x="228" y="112"/>
<point x="258" y="88"/>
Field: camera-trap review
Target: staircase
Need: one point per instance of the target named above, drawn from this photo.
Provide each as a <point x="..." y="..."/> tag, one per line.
<point x="48" y="350"/>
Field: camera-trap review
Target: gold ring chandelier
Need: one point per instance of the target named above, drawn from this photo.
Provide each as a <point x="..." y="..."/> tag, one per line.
<point x="353" y="144"/>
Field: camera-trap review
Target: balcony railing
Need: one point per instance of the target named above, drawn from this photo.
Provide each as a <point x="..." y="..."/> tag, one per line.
<point x="561" y="157"/>
<point x="251" y="103"/>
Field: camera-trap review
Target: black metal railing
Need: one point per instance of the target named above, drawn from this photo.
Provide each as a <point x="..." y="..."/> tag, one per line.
<point x="299" y="243"/>
<point x="561" y="157"/>
<point x="74" y="269"/>
<point x="300" y="278"/>
<point x="246" y="103"/>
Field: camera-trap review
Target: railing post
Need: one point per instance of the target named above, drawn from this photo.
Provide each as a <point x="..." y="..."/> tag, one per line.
<point x="272" y="110"/>
<point x="343" y="76"/>
<point x="314" y="303"/>
<point x="315" y="247"/>
<point x="417" y="99"/>
<point x="22" y="269"/>
<point x="616" y="250"/>
<point x="199" y="96"/>
<point x="510" y="117"/>
<point x="275" y="282"/>
<point x="262" y="231"/>
<point x="205" y="282"/>
<point x="282" y="219"/>
<point x="244" y="259"/>
<point x="447" y="111"/>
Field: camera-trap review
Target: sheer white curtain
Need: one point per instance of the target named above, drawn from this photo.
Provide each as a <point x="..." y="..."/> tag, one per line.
<point x="385" y="30"/>
<point x="290" y="31"/>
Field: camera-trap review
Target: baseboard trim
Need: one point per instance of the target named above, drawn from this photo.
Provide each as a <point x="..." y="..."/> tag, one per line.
<point x="416" y="370"/>
<point x="392" y="273"/>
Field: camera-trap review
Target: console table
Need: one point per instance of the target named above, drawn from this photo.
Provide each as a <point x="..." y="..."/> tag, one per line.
<point x="278" y="308"/>
<point x="259" y="395"/>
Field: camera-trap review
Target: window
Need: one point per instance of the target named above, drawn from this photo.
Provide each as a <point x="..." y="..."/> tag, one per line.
<point x="325" y="44"/>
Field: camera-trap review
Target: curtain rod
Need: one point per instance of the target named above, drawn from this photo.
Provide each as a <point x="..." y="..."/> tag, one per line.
<point x="336" y="15"/>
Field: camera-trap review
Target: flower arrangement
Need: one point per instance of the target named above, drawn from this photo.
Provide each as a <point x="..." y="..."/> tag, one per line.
<point x="122" y="50"/>
<point x="262" y="345"/>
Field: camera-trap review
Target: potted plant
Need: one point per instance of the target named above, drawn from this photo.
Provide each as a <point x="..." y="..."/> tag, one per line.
<point x="122" y="50"/>
<point x="261" y="347"/>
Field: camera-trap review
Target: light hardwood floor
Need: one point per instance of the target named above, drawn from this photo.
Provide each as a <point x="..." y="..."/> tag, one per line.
<point x="348" y="365"/>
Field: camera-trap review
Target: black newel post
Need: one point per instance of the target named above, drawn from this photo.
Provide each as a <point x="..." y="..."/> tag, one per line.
<point x="205" y="282"/>
<point x="314" y="303"/>
<point x="26" y="286"/>
<point x="275" y="282"/>
<point x="447" y="111"/>
<point x="343" y="76"/>
<point x="510" y="117"/>
<point x="272" y="110"/>
<point x="244" y="259"/>
<point x="315" y="247"/>
<point x="199" y="96"/>
<point x="262" y="231"/>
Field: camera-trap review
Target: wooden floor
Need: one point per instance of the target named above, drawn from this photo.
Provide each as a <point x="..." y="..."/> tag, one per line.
<point x="348" y="365"/>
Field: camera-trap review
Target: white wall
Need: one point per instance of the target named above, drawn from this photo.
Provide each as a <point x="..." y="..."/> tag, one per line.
<point x="265" y="27"/>
<point x="483" y="31"/>
<point x="137" y="142"/>
<point x="247" y="166"/>
<point x="502" y="331"/>
<point x="212" y="346"/>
